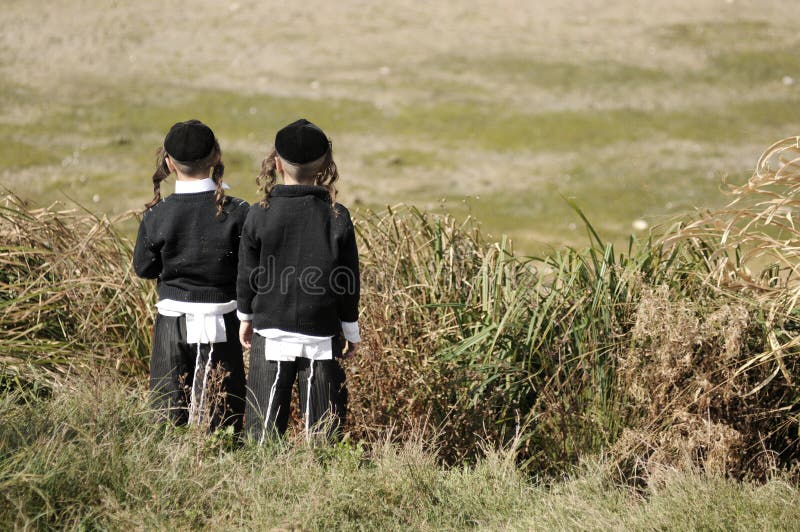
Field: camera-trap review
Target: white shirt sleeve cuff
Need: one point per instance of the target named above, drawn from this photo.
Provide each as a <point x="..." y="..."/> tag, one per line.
<point x="244" y="317"/>
<point x="351" y="332"/>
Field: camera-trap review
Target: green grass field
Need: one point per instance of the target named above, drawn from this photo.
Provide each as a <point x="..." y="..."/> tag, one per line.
<point x="635" y="115"/>
<point x="89" y="458"/>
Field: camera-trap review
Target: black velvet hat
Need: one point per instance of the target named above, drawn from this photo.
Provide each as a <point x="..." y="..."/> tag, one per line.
<point x="189" y="141"/>
<point x="301" y="142"/>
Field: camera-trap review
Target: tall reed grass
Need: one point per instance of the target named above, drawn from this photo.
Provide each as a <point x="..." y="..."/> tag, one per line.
<point x="634" y="354"/>
<point x="679" y="351"/>
<point x="68" y="296"/>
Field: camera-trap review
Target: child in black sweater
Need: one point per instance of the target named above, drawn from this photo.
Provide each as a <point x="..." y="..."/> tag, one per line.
<point x="298" y="287"/>
<point x="189" y="242"/>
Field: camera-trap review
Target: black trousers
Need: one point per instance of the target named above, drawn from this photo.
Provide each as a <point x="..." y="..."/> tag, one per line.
<point x="269" y="393"/>
<point x="177" y="375"/>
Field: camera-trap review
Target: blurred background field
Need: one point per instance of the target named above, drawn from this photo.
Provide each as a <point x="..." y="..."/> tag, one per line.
<point x="498" y="109"/>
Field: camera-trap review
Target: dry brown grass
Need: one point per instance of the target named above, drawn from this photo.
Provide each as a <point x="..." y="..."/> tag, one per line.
<point x="715" y="373"/>
<point x="756" y="242"/>
<point x="68" y="296"/>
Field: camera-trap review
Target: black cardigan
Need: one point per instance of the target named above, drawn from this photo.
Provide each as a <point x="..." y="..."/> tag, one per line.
<point x="192" y="252"/>
<point x="298" y="263"/>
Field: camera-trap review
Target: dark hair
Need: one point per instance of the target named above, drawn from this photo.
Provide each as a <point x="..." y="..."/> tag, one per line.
<point x="191" y="168"/>
<point x="325" y="177"/>
<point x="162" y="172"/>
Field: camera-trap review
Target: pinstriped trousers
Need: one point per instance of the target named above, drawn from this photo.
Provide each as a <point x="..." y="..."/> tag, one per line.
<point x="269" y="393"/>
<point x="173" y="373"/>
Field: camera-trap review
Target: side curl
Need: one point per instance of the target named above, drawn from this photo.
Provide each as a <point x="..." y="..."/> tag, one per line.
<point x="216" y="175"/>
<point x="268" y="177"/>
<point x="162" y="172"/>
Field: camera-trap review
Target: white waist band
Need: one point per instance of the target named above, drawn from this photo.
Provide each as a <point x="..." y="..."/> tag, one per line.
<point x="205" y="322"/>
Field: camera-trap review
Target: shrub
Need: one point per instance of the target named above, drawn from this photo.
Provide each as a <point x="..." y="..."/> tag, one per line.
<point x="68" y="296"/>
<point x="679" y="351"/>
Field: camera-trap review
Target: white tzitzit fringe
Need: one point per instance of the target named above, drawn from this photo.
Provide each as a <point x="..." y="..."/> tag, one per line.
<point x="195" y="406"/>
<point x="193" y="400"/>
<point x="271" y="398"/>
<point x="308" y="403"/>
<point x="205" y="382"/>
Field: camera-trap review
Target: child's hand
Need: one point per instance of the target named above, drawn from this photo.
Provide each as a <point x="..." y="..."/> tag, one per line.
<point x="246" y="333"/>
<point x="351" y="349"/>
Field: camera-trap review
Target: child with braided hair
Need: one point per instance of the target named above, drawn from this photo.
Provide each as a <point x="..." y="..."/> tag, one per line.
<point x="189" y="242"/>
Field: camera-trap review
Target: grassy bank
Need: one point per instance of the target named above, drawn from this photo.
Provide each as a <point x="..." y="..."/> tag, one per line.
<point x="87" y="456"/>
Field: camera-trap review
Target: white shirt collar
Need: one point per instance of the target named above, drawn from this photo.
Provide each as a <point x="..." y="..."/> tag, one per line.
<point x="196" y="185"/>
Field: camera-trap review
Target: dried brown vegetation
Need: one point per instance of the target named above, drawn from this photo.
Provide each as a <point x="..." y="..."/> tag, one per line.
<point x="68" y="296"/>
<point x="678" y="352"/>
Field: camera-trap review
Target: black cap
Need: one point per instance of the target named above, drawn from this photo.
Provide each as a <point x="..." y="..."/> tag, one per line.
<point x="189" y="141"/>
<point x="301" y="142"/>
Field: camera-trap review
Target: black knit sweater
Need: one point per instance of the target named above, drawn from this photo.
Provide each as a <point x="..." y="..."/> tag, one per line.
<point x="298" y="263"/>
<point x="192" y="252"/>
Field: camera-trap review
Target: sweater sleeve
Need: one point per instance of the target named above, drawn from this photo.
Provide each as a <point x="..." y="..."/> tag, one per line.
<point x="248" y="261"/>
<point x="348" y="278"/>
<point x="146" y="254"/>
